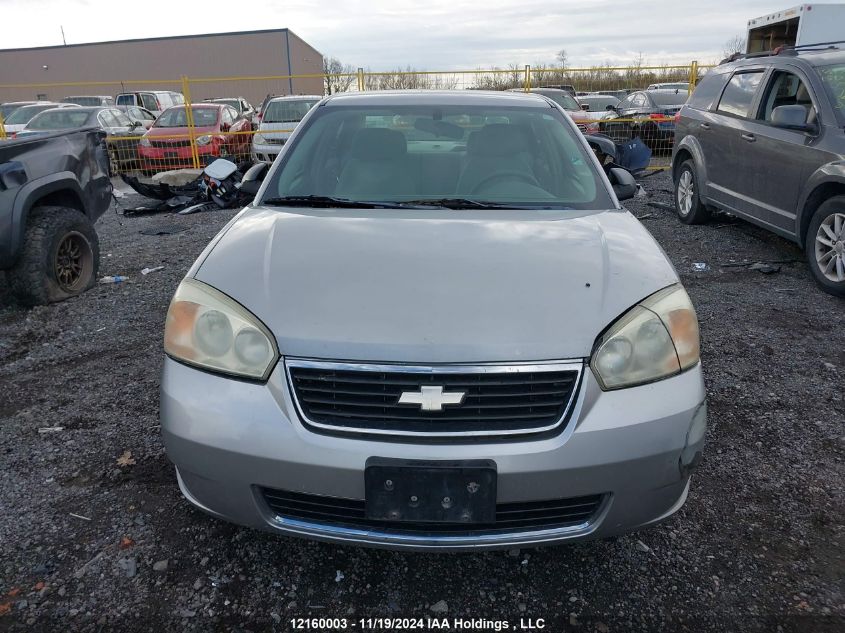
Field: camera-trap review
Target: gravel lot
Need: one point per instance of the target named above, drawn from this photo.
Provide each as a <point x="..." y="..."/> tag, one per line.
<point x="89" y="544"/>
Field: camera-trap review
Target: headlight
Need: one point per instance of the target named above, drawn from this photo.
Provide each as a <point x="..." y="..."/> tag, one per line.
<point x="203" y="140"/>
<point x="655" y="339"/>
<point x="144" y="142"/>
<point x="259" y="139"/>
<point x="208" y="329"/>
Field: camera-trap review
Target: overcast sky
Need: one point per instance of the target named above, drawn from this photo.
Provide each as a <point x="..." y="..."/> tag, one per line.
<point x="427" y="34"/>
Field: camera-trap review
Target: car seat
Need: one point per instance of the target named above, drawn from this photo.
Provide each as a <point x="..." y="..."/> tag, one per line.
<point x="377" y="166"/>
<point x="495" y="148"/>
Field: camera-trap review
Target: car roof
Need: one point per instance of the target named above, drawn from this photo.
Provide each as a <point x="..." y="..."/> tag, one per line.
<point x="809" y="56"/>
<point x="438" y="97"/>
<point x="294" y="98"/>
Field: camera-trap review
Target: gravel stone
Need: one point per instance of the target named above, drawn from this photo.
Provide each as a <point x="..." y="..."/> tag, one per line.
<point x="439" y="607"/>
<point x="766" y="521"/>
<point x="160" y="565"/>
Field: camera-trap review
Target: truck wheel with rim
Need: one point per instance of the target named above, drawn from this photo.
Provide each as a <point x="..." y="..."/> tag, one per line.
<point x="688" y="205"/>
<point x="824" y="245"/>
<point x="60" y="257"/>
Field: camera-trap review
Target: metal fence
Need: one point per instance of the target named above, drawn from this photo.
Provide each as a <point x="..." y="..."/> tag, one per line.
<point x="193" y="145"/>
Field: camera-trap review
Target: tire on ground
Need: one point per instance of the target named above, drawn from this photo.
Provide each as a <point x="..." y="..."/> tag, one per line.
<point x="34" y="279"/>
<point x="698" y="213"/>
<point x="815" y="250"/>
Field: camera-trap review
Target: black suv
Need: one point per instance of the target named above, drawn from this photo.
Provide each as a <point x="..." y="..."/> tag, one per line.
<point x="763" y="138"/>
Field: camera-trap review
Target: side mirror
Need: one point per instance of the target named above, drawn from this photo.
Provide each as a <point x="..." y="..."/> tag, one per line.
<point x="792" y="117"/>
<point x="585" y="107"/>
<point x="624" y="184"/>
<point x="610" y="108"/>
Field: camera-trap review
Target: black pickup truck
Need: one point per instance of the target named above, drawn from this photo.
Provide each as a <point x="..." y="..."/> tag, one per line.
<point x="52" y="190"/>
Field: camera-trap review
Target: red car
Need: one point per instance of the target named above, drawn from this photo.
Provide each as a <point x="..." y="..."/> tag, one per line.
<point x="166" y="145"/>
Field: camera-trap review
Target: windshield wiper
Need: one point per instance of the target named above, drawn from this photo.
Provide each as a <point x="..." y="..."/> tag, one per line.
<point x="467" y="203"/>
<point x="329" y="202"/>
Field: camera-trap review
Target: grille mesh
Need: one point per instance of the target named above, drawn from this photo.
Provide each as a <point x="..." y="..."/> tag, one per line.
<point x="495" y="402"/>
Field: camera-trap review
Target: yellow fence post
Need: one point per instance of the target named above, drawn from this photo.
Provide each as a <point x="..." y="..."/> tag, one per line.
<point x="2" y="128"/>
<point x="693" y="75"/>
<point x="527" y="78"/>
<point x="360" y="80"/>
<point x="189" y="115"/>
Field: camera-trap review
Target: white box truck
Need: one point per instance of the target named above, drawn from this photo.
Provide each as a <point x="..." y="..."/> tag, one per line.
<point x="798" y="26"/>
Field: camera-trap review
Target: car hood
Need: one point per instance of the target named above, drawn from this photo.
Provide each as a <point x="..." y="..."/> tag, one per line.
<point x="277" y="130"/>
<point x="438" y="286"/>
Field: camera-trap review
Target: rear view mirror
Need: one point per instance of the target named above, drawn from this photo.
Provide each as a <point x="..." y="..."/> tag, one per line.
<point x="624" y="184"/>
<point x="791" y="117"/>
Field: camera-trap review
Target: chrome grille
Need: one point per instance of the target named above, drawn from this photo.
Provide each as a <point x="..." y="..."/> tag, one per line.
<point x="171" y="143"/>
<point x="499" y="399"/>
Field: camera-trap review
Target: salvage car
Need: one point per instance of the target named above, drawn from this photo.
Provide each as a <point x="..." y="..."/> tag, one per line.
<point x="243" y="107"/>
<point x="649" y="115"/>
<point x="167" y="145"/>
<point x="435" y="328"/>
<point x="139" y="115"/>
<point x="52" y="190"/>
<point x="19" y="119"/>
<point x="279" y="117"/>
<point x="566" y="100"/>
<point x="156" y="101"/>
<point x="598" y="103"/>
<point x="89" y="100"/>
<point x="762" y="138"/>
<point x="10" y="106"/>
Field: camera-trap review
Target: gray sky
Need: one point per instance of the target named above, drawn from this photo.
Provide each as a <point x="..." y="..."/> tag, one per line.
<point x="427" y="35"/>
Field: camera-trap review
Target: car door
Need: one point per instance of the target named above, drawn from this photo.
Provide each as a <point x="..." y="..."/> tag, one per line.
<point x="240" y="125"/>
<point x="728" y="170"/>
<point x="783" y="159"/>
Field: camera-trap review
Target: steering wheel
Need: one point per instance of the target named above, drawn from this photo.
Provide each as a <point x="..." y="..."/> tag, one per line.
<point x="510" y="174"/>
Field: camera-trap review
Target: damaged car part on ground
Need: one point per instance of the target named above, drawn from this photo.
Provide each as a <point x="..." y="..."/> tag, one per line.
<point x="220" y="186"/>
<point x="461" y="392"/>
<point x="52" y="190"/>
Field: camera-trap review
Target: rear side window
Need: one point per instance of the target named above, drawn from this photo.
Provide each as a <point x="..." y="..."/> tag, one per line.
<point x="125" y="99"/>
<point x="149" y="102"/>
<point x="707" y="91"/>
<point x="739" y="93"/>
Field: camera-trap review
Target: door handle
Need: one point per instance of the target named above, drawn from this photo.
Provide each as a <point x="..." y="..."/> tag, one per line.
<point x="749" y="137"/>
<point x="704" y="126"/>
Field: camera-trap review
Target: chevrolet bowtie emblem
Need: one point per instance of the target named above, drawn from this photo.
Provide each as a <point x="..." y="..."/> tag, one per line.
<point x="432" y="398"/>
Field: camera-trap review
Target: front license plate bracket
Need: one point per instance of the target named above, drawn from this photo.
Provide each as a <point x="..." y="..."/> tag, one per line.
<point x="460" y="492"/>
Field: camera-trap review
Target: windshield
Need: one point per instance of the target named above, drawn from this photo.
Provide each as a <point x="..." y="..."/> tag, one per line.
<point x="563" y="99"/>
<point x="23" y="114"/>
<point x="288" y="111"/>
<point x="508" y="156"/>
<point x="834" y="82"/>
<point x="673" y="97"/>
<point x="63" y="119"/>
<point x="178" y="117"/>
<point x="7" y="108"/>
<point x="235" y="103"/>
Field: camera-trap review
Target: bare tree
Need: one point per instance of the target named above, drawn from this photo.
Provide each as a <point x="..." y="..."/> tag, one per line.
<point x="562" y="59"/>
<point x="734" y="45"/>
<point x="338" y="76"/>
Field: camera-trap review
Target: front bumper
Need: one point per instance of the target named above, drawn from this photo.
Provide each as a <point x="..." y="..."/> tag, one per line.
<point x="266" y="152"/>
<point x="228" y="438"/>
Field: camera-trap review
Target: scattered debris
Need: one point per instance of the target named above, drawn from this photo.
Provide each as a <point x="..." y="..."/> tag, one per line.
<point x="661" y="205"/>
<point x="51" y="429"/>
<point x="113" y="279"/>
<point x="147" y="271"/>
<point x="79" y="516"/>
<point x="165" y="229"/>
<point x="642" y="547"/>
<point x="129" y="566"/>
<point x="645" y="216"/>
<point x="126" y="543"/>
<point x="700" y="267"/>
<point x="126" y="459"/>
<point x="79" y="573"/>
<point x="439" y="607"/>
<point x="766" y="269"/>
<point x="339" y="576"/>
<point x="160" y="566"/>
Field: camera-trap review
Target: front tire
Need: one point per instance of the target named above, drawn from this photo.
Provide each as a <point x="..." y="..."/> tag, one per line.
<point x="824" y="246"/>
<point x="688" y="204"/>
<point x="60" y="257"/>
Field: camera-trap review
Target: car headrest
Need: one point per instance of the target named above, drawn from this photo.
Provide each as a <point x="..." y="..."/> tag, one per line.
<point x="378" y="144"/>
<point x="496" y="139"/>
<point x="802" y="95"/>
